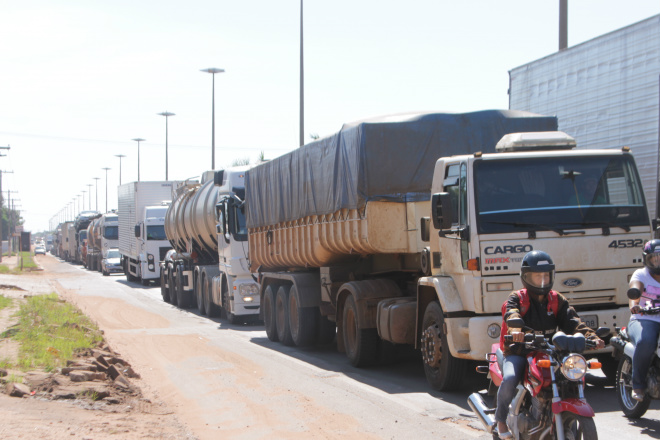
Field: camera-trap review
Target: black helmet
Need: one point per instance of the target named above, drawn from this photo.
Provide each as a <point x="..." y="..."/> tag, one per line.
<point x="535" y="262"/>
<point x="651" y="254"/>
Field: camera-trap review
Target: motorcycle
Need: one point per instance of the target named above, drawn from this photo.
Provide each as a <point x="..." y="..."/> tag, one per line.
<point x="549" y="402"/>
<point x="624" y="350"/>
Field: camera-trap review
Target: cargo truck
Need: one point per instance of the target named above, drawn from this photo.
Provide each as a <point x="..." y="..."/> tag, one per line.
<point x="142" y="240"/>
<point x="80" y="224"/>
<point x="410" y="232"/>
<point x="206" y="228"/>
<point x="103" y="234"/>
<point x="68" y="243"/>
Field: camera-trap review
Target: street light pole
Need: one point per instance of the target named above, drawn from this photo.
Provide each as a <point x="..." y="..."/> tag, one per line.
<point x="167" y="116"/>
<point x="97" y="192"/>
<point x="138" y="140"/>
<point x="89" y="198"/>
<point x="213" y="71"/>
<point x="120" y="156"/>
<point x="106" y="187"/>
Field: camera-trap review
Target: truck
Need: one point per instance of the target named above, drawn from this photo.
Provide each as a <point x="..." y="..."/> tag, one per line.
<point x="208" y="266"/>
<point x="410" y="231"/>
<point x="142" y="241"/>
<point x="80" y="227"/>
<point x="68" y="242"/>
<point x="103" y="234"/>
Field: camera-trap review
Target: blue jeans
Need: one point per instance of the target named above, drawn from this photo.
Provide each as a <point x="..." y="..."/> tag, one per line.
<point x="512" y="373"/>
<point x="644" y="334"/>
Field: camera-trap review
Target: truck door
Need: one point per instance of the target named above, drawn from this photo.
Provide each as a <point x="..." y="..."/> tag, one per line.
<point x="456" y="241"/>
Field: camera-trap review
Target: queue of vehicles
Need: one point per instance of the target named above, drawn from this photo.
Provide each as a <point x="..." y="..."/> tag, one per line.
<point x="404" y="231"/>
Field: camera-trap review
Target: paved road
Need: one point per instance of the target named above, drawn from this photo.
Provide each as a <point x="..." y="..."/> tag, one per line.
<point x="232" y="381"/>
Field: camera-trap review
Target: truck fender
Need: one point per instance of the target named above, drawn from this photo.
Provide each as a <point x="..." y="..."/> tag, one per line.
<point x="441" y="289"/>
<point x="367" y="295"/>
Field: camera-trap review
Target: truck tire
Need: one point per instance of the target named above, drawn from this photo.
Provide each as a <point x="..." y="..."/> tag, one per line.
<point x="212" y="309"/>
<point x="226" y="305"/>
<point x="361" y="344"/>
<point x="171" y="291"/>
<point x="269" y="314"/>
<point x="443" y="371"/>
<point x="199" y="293"/>
<point x="303" y="321"/>
<point x="163" y="286"/>
<point x="182" y="298"/>
<point x="282" y="315"/>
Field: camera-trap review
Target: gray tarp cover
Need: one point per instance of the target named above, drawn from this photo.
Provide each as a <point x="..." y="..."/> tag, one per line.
<point x="390" y="158"/>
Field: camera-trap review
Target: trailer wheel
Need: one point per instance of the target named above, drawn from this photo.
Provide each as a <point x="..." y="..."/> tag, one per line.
<point x="443" y="371"/>
<point x="269" y="314"/>
<point x="282" y="315"/>
<point x="163" y="286"/>
<point x="199" y="293"/>
<point x="182" y="298"/>
<point x="212" y="309"/>
<point x="303" y="321"/>
<point x="361" y="344"/>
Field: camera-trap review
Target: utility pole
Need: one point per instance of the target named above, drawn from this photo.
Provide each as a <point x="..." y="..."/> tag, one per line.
<point x="10" y="228"/>
<point x="1" y="248"/>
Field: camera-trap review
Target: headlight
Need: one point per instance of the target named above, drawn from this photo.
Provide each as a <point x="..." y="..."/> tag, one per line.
<point x="248" y="289"/>
<point x="150" y="258"/>
<point x="574" y="367"/>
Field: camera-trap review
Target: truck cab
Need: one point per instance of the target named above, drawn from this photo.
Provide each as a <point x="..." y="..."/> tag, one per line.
<point x="153" y="243"/>
<point x="585" y="208"/>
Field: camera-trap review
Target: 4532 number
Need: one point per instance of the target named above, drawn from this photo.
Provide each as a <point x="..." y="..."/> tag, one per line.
<point x="632" y="243"/>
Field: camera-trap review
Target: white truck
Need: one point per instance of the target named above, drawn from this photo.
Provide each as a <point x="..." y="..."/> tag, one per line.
<point x="142" y="241"/>
<point x="206" y="227"/>
<point x="426" y="257"/>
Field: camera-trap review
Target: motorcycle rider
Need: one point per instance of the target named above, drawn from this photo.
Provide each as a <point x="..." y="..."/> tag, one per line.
<point x="644" y="329"/>
<point x="544" y="311"/>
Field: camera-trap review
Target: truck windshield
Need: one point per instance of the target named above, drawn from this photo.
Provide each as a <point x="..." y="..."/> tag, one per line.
<point x="558" y="194"/>
<point x="111" y="232"/>
<point x="156" y="232"/>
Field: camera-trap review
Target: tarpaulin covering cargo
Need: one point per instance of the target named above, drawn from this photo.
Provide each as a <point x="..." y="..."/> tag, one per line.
<point x="385" y="159"/>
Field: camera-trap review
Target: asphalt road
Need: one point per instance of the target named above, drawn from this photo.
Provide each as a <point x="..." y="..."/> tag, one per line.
<point x="230" y="380"/>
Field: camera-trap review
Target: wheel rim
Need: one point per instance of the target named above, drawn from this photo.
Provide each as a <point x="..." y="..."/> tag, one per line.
<point x="431" y="346"/>
<point x="625" y="385"/>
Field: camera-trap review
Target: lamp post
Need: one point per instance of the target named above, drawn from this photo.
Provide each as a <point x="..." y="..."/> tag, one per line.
<point x="302" y="81"/>
<point x="120" y="156"/>
<point x="83" y="200"/>
<point x="167" y="117"/>
<point x="213" y="71"/>
<point x="97" y="192"/>
<point x="89" y="198"/>
<point x="138" y="140"/>
<point x="106" y="187"/>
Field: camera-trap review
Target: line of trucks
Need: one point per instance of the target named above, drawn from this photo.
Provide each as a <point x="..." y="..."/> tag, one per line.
<point x="402" y="231"/>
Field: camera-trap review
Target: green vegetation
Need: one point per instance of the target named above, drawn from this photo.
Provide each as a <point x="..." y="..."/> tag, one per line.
<point x="50" y="332"/>
<point x="4" y="302"/>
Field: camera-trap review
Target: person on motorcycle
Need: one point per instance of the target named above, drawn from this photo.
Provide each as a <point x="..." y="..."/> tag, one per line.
<point x="644" y="329"/>
<point x="545" y="311"/>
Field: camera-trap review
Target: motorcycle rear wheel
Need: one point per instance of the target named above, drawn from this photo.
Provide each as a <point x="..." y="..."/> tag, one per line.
<point x="633" y="409"/>
<point x="578" y="427"/>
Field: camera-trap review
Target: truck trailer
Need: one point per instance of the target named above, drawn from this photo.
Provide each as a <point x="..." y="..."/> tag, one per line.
<point x="102" y="235"/>
<point x="410" y="232"/>
<point x="206" y="229"/>
<point x="142" y="240"/>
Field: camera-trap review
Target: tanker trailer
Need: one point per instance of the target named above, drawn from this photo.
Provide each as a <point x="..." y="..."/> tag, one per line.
<point x="208" y="267"/>
<point x="338" y="228"/>
<point x="93" y="244"/>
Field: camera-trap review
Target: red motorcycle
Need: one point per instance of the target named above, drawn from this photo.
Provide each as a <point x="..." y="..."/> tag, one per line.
<point x="550" y="402"/>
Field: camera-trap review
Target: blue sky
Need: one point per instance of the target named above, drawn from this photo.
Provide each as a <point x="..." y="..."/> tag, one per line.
<point x="80" y="79"/>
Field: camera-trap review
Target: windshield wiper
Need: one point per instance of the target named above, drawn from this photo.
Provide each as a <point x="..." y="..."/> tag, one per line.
<point x="606" y="225"/>
<point x="539" y="226"/>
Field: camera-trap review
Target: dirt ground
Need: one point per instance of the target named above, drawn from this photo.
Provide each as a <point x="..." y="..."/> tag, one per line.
<point x="129" y="412"/>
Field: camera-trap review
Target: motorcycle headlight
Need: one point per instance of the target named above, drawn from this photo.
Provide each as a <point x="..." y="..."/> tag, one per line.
<point x="248" y="289"/>
<point x="574" y="367"/>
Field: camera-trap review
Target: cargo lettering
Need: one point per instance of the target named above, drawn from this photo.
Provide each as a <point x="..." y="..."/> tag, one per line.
<point x="516" y="249"/>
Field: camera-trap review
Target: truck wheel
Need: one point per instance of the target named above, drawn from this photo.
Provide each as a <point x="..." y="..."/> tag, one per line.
<point x="302" y="320"/>
<point x="226" y="305"/>
<point x="199" y="293"/>
<point x="361" y="344"/>
<point x="443" y="371"/>
<point x="182" y="298"/>
<point x="171" y="290"/>
<point x="163" y="286"/>
<point x="282" y="315"/>
<point x="269" y="314"/>
<point x="212" y="309"/>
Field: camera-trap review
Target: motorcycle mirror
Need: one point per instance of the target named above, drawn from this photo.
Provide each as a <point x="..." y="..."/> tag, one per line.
<point x="515" y="323"/>
<point x="634" y="293"/>
<point x="601" y="332"/>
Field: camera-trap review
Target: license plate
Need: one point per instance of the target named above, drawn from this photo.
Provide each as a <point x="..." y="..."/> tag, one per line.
<point x="590" y="320"/>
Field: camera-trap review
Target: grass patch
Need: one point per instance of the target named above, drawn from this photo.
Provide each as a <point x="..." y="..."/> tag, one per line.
<point x="4" y="302"/>
<point x="28" y="261"/>
<point x="51" y="332"/>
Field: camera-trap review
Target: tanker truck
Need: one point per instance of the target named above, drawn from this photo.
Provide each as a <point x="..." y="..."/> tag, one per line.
<point x="142" y="240"/>
<point x="208" y="266"/>
<point x="103" y="234"/>
<point x="410" y="232"/>
<point x="80" y="225"/>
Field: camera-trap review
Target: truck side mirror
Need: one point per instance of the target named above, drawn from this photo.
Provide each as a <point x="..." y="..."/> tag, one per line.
<point x="218" y="177"/>
<point x="137" y="231"/>
<point x="441" y="211"/>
